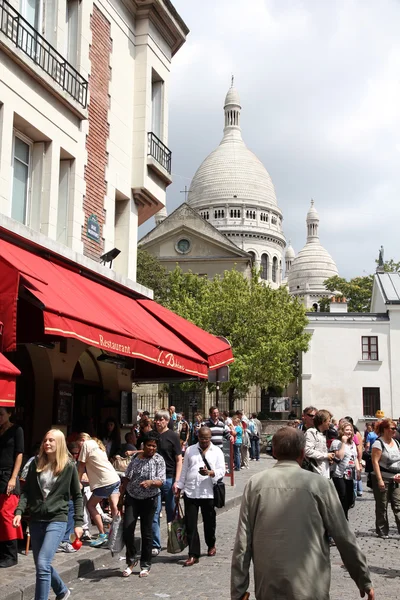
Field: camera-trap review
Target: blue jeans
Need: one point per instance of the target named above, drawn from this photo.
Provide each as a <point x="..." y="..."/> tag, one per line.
<point x="45" y="539"/>
<point x="169" y="498"/>
<point x="255" y="448"/>
<point x="70" y="523"/>
<point x="236" y="456"/>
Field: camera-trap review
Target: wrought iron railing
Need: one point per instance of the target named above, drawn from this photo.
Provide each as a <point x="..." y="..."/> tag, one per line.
<point x="159" y="151"/>
<point x="26" y="38"/>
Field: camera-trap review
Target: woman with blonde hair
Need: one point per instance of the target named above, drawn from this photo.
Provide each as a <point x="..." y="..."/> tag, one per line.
<point x="386" y="476"/>
<point x="52" y="479"/>
<point x="104" y="482"/>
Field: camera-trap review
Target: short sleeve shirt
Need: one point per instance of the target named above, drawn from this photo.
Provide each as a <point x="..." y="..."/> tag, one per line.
<point x="348" y="461"/>
<point x="390" y="458"/>
<point x="170" y="448"/>
<point x="239" y="435"/>
<point x="141" y="469"/>
<point x="99" y="469"/>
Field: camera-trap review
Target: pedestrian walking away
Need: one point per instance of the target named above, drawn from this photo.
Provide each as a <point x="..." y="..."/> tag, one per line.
<point x="52" y="479"/>
<point x="291" y="561"/>
<point x="139" y="495"/>
<point x="197" y="481"/>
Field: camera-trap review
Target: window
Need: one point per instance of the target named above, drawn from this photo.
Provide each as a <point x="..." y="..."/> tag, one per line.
<point x="274" y="269"/>
<point x="264" y="217"/>
<point x="156" y="104"/>
<point x="371" y="401"/>
<point x="21" y="179"/>
<point x="71" y="31"/>
<point x="32" y="11"/>
<point x="219" y="214"/>
<point x="264" y="266"/>
<point x="273" y="220"/>
<point x="63" y="201"/>
<point x="183" y="246"/>
<point x="235" y="214"/>
<point x="369" y="347"/>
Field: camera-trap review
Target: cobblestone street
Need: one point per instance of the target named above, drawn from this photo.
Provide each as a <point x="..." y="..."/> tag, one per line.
<point x="210" y="577"/>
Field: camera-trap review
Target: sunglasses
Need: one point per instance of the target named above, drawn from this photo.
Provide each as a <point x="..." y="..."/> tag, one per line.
<point x="392" y="428"/>
<point x="311" y="416"/>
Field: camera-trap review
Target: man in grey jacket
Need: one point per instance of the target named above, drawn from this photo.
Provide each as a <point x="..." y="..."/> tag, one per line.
<point x="283" y="523"/>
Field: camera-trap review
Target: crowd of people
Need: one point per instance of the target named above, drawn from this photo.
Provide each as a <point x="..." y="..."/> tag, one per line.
<point x="69" y="485"/>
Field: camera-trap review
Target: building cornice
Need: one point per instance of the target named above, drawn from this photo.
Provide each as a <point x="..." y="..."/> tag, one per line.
<point x="165" y="18"/>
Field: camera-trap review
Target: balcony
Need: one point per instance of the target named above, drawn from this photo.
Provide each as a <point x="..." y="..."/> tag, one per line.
<point x="160" y="153"/>
<point x="26" y="39"/>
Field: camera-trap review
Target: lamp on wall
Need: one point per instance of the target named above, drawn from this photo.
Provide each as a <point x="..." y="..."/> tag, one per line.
<point x="109" y="256"/>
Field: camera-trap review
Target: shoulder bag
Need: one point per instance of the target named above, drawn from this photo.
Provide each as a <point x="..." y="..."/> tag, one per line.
<point x="218" y="488"/>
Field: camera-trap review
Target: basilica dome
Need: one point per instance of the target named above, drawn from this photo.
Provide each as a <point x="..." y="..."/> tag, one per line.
<point x="232" y="173"/>
<point x="313" y="264"/>
<point x="234" y="192"/>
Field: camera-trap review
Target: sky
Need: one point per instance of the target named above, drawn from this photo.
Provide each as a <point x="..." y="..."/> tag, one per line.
<point x="319" y="82"/>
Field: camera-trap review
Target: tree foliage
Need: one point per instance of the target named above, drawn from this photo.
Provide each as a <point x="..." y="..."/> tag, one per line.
<point x="357" y="291"/>
<point x="152" y="274"/>
<point x="265" y="327"/>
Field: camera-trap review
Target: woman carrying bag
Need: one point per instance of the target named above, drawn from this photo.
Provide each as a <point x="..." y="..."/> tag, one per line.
<point x="197" y="481"/>
<point x="51" y="481"/>
<point x="139" y="494"/>
<point x="11" y="453"/>
<point x="345" y="468"/>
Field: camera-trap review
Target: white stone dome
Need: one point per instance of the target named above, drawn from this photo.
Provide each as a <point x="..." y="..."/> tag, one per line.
<point x="313" y="264"/>
<point x="290" y="253"/>
<point x="232" y="173"/>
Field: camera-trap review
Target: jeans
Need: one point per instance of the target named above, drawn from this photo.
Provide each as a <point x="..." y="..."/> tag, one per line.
<point x="236" y="456"/>
<point x="255" y="448"/>
<point x="145" y="510"/>
<point x="169" y="498"/>
<point x="345" y="490"/>
<point x="45" y="539"/>
<point x="206" y="506"/>
<point x="70" y="522"/>
<point x="391" y="494"/>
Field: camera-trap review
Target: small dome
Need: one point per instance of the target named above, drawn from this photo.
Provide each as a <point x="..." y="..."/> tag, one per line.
<point x="290" y="253"/>
<point x="311" y="267"/>
<point x="232" y="97"/>
<point x="312" y="212"/>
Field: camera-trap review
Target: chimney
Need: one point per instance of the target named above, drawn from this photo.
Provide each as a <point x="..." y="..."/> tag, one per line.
<point x="340" y="304"/>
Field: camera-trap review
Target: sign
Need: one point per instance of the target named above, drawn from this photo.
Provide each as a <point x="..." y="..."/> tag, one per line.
<point x="93" y="228"/>
<point x="227" y="449"/>
<point x="221" y="375"/>
<point x="63" y="403"/>
<point x="128" y="408"/>
<point x="295" y="403"/>
<point x="279" y="404"/>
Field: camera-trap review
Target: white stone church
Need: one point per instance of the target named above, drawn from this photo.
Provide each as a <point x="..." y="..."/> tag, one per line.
<point x="232" y="219"/>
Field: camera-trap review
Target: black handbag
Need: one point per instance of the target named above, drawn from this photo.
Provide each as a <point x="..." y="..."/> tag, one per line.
<point x="218" y="487"/>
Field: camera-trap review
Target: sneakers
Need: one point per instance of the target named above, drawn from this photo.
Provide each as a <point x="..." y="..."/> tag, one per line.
<point x="86" y="535"/>
<point x="66" y="547"/>
<point x="155" y="551"/>
<point x="102" y="539"/>
<point x="64" y="596"/>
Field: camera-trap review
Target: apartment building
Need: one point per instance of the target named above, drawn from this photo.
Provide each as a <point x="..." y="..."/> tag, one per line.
<point x="84" y="160"/>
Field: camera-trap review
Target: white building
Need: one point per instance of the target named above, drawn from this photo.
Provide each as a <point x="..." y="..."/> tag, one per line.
<point x="351" y="367"/>
<point x="307" y="271"/>
<point x="84" y="160"/>
<point x="84" y="121"/>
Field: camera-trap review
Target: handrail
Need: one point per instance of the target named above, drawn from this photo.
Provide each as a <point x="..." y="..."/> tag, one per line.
<point x="36" y="47"/>
<point x="159" y="151"/>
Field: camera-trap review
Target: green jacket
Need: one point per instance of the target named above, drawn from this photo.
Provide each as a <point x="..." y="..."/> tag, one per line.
<point x="55" y="506"/>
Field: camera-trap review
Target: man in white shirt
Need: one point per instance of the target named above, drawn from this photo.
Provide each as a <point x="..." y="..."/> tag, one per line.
<point x="197" y="481"/>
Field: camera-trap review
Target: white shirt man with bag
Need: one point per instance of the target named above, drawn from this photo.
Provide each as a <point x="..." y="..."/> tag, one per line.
<point x="197" y="481"/>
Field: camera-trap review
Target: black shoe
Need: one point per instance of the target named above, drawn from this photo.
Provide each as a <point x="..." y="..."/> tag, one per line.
<point x="4" y="564"/>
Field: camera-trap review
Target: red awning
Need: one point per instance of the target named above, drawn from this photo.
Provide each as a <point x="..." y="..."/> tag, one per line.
<point x="78" y="307"/>
<point x="8" y="373"/>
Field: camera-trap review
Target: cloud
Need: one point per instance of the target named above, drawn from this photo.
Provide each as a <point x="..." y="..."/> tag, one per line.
<point x="320" y="89"/>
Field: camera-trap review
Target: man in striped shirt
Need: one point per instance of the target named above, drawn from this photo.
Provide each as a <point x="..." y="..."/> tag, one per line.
<point x="218" y="428"/>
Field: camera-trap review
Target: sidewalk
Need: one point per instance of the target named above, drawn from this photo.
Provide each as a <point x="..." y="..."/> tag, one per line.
<point x="18" y="583"/>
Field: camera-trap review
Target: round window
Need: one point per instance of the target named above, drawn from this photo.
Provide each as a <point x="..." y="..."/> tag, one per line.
<point x="183" y="246"/>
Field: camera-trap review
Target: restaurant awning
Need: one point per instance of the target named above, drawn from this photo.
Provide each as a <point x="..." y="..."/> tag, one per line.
<point x="73" y="304"/>
<point x="8" y="374"/>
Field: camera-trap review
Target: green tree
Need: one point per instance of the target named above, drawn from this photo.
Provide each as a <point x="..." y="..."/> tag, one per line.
<point x="265" y="327"/>
<point x="152" y="274"/>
